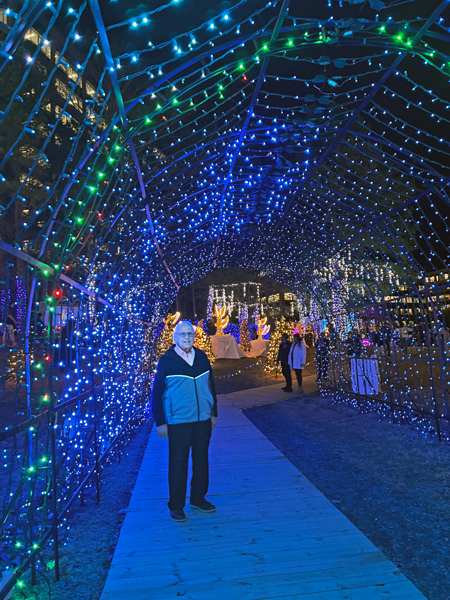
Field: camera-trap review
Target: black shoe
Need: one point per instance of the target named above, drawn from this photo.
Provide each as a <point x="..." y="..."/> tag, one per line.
<point x="178" y="516"/>
<point x="204" y="506"/>
<point x="286" y="389"/>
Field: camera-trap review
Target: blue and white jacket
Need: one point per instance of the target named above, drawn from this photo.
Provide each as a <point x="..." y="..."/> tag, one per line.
<point x="181" y="393"/>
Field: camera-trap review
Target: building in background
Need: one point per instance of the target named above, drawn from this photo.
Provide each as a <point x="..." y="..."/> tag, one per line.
<point x="247" y="300"/>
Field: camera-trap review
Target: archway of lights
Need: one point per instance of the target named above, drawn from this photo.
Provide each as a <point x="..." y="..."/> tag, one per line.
<point x="142" y="148"/>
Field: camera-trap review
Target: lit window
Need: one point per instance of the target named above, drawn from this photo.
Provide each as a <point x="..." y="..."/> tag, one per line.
<point x="46" y="49"/>
<point x="62" y="89"/>
<point x="90" y="89"/>
<point x="77" y="102"/>
<point x="33" y="36"/>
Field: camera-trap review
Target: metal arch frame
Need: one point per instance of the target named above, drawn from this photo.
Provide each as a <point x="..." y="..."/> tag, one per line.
<point x="275" y="33"/>
<point x="185" y="65"/>
<point x="435" y="15"/>
<point x="164" y="78"/>
<point x="95" y="8"/>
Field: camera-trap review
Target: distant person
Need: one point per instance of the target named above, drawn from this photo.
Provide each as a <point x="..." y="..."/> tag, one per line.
<point x="444" y="336"/>
<point x="433" y="336"/>
<point x="357" y="344"/>
<point x="283" y="358"/>
<point x="354" y="344"/>
<point x="386" y="336"/>
<point x="405" y="334"/>
<point x="66" y="344"/>
<point x="297" y="359"/>
<point x="420" y="335"/>
<point x="322" y="355"/>
<point x="211" y="327"/>
<point x="10" y="326"/>
<point x="375" y="336"/>
<point x="184" y="405"/>
<point x="333" y="334"/>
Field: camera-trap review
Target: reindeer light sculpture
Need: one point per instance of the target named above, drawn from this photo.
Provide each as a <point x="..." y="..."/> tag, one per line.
<point x="263" y="328"/>
<point x="221" y="319"/>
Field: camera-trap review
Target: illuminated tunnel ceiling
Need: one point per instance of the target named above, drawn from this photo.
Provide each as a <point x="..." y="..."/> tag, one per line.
<point x="244" y="133"/>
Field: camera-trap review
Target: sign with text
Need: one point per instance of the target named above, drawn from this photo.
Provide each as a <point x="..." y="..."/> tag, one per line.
<point x="365" y="376"/>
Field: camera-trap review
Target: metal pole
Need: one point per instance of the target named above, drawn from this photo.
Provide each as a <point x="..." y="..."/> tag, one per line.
<point x="54" y="488"/>
<point x="97" y="466"/>
<point x="193" y="300"/>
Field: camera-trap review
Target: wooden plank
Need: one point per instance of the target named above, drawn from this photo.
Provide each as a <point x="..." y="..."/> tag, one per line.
<point x="246" y="539"/>
<point x="278" y="585"/>
<point x="133" y="578"/>
<point x="274" y="534"/>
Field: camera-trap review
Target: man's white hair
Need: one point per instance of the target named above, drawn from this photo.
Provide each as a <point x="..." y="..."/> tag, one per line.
<point x="178" y="326"/>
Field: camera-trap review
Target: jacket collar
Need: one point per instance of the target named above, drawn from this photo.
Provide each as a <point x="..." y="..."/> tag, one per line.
<point x="174" y="356"/>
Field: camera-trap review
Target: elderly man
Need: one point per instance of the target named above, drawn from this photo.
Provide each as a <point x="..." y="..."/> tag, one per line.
<point x="184" y="405"/>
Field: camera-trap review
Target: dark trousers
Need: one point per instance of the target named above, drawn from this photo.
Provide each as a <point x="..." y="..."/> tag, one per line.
<point x="322" y="366"/>
<point x="183" y="437"/>
<point x="286" y="370"/>
<point x="387" y="347"/>
<point x="298" y="372"/>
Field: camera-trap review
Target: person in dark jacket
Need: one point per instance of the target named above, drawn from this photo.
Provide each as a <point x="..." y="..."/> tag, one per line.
<point x="322" y="355"/>
<point x="184" y="405"/>
<point x="354" y="344"/>
<point x="211" y="326"/>
<point x="283" y="358"/>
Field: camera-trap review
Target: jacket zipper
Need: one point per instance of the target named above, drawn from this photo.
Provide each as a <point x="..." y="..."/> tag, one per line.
<point x="198" y="405"/>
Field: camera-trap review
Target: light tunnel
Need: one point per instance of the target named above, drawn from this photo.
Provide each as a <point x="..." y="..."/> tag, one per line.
<point x="142" y="148"/>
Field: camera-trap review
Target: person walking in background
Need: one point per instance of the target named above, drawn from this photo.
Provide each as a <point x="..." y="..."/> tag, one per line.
<point x="444" y="337"/>
<point x="322" y="355"/>
<point x="297" y="358"/>
<point x="184" y="404"/>
<point x="211" y="326"/>
<point x="386" y="335"/>
<point x="349" y="343"/>
<point x="357" y="343"/>
<point x="283" y="358"/>
<point x="354" y="344"/>
<point x="405" y="334"/>
<point x="10" y="326"/>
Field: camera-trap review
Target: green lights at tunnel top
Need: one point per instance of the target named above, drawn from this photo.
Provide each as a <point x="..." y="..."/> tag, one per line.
<point x="290" y="42"/>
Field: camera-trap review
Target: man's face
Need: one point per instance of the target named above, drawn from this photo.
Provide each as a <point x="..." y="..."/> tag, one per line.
<point x="184" y="338"/>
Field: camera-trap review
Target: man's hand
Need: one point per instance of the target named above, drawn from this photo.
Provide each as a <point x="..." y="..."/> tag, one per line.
<point x="213" y="422"/>
<point x="163" y="431"/>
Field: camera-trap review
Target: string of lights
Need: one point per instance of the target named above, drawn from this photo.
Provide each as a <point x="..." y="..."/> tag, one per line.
<point x="332" y="180"/>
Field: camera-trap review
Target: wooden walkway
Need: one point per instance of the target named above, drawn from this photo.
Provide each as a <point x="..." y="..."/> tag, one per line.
<point x="274" y="535"/>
